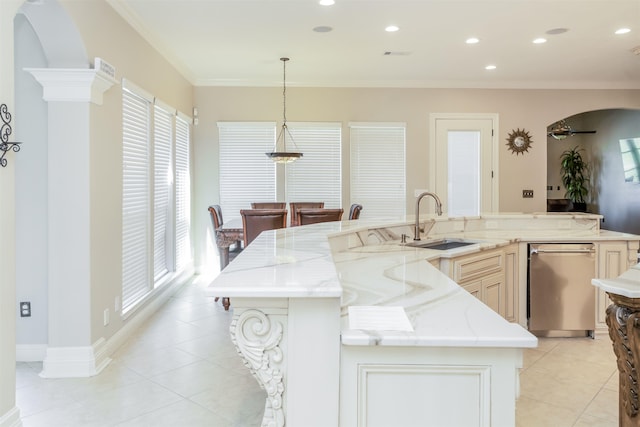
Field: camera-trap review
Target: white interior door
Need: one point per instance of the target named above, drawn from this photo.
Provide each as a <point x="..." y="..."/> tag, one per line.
<point x="464" y="163"/>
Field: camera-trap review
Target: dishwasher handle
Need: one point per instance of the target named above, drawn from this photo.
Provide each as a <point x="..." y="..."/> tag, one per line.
<point x="561" y="251"/>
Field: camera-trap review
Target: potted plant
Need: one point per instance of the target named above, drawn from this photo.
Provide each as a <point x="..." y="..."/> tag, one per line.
<point x="575" y="177"/>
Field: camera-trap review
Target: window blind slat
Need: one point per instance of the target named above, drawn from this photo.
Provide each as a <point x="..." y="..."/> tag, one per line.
<point x="135" y="198"/>
<point x="183" y="195"/>
<point x="163" y="137"/>
<point x="246" y="173"/>
<point x="378" y="174"/>
<point x="318" y="175"/>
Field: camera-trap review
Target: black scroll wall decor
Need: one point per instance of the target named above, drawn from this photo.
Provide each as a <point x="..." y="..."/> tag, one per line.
<point x="5" y="131"/>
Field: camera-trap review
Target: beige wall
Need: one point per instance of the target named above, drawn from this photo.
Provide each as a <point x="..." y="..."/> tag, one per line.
<point x="108" y="36"/>
<point x="532" y="110"/>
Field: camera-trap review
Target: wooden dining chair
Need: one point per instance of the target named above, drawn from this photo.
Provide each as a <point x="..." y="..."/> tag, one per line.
<point x="294" y="206"/>
<point x="313" y="216"/>
<point x="354" y="211"/>
<point x="268" y="205"/>
<point x="217" y="221"/>
<point x="216" y="216"/>
<point x="255" y="221"/>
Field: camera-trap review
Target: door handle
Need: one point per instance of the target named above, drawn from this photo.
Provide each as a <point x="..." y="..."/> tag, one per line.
<point x="561" y="251"/>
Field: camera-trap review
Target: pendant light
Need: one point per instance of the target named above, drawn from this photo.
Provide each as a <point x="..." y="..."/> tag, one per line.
<point x="280" y="153"/>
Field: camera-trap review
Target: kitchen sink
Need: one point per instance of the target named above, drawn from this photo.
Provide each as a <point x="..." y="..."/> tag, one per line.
<point x="441" y="245"/>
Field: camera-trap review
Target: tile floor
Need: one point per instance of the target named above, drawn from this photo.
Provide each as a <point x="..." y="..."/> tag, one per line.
<point x="180" y="369"/>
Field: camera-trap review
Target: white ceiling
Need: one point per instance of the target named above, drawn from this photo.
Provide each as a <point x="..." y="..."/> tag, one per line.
<point x="239" y="42"/>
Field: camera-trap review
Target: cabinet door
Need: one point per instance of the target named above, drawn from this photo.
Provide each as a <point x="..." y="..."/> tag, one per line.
<point x="511" y="288"/>
<point x="490" y="290"/>
<point x="474" y="288"/>
<point x="493" y="293"/>
<point x="612" y="262"/>
<point x="477" y="266"/>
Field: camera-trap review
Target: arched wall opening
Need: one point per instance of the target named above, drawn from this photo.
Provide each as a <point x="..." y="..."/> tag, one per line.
<point x="44" y="37"/>
<point x="609" y="194"/>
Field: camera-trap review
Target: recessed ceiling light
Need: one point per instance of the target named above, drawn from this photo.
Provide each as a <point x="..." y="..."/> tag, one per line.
<point x="554" y="31"/>
<point x="623" y="31"/>
<point x="322" y="29"/>
<point x="472" y="40"/>
<point x="326" y="2"/>
<point x="391" y="29"/>
<point x="490" y="67"/>
<point x="539" y="40"/>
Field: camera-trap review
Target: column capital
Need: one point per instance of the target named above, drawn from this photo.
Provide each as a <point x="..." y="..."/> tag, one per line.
<point x="72" y="84"/>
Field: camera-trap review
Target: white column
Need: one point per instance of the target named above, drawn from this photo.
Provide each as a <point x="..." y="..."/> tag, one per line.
<point x="69" y="93"/>
<point x="9" y="413"/>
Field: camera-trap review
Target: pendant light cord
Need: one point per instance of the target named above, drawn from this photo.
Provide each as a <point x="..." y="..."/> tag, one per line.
<point x="284" y="90"/>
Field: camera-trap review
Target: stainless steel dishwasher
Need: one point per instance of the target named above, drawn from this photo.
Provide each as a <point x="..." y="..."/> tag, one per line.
<point x="561" y="298"/>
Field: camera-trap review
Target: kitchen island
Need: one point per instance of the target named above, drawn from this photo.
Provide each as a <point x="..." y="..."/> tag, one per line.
<point x="623" y="319"/>
<point x="291" y="290"/>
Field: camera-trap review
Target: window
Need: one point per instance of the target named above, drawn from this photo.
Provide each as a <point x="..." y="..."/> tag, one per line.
<point x="136" y="198"/>
<point x="156" y="231"/>
<point x="630" y="152"/>
<point x="183" y="193"/>
<point x="464" y="172"/>
<point x="317" y="175"/>
<point x="378" y="173"/>
<point x="162" y="147"/>
<point x="246" y="174"/>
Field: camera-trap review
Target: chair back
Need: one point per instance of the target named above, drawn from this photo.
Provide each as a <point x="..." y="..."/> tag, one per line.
<point x="255" y="221"/>
<point x="216" y="216"/>
<point x="354" y="211"/>
<point x="268" y="205"/>
<point x="294" y="206"/>
<point x="313" y="216"/>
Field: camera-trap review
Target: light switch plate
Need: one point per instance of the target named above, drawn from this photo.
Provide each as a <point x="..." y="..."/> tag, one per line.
<point x="527" y="194"/>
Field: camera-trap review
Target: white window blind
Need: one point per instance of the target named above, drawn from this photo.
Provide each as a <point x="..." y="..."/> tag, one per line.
<point x="183" y="194"/>
<point x="136" y="158"/>
<point x="378" y="173"/>
<point x="162" y="184"/>
<point x="246" y="173"/>
<point x="317" y="176"/>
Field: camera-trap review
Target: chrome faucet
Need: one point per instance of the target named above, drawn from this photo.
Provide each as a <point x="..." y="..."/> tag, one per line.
<point x="416" y="231"/>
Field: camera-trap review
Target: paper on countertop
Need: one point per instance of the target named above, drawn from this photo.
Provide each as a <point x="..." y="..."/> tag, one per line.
<point x="376" y="318"/>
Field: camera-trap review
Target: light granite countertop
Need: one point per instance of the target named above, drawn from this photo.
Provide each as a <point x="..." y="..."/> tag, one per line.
<point x="363" y="263"/>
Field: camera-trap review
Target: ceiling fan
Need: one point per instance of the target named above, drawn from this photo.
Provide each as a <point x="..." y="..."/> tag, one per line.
<point x="561" y="130"/>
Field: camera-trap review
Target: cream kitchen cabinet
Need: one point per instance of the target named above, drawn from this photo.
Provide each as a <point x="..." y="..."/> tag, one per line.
<point x="482" y="275"/>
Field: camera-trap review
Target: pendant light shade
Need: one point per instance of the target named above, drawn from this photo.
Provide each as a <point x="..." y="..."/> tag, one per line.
<point x="280" y="154"/>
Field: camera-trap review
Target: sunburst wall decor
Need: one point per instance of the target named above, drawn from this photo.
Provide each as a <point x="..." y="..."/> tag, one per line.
<point x="519" y="141"/>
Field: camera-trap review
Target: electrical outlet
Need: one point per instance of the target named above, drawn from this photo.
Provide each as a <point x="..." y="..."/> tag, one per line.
<point x="527" y="194"/>
<point x="25" y="309"/>
<point x="106" y="317"/>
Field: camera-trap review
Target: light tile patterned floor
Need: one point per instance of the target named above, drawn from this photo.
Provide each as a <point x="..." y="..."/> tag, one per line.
<point x="180" y="370"/>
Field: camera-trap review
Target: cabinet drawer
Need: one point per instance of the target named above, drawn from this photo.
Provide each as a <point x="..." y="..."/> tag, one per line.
<point x="475" y="266"/>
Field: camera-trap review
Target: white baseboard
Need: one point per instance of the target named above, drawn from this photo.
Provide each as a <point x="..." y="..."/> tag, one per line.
<point x="74" y="362"/>
<point x="30" y="352"/>
<point x="11" y="418"/>
<point x="145" y="312"/>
